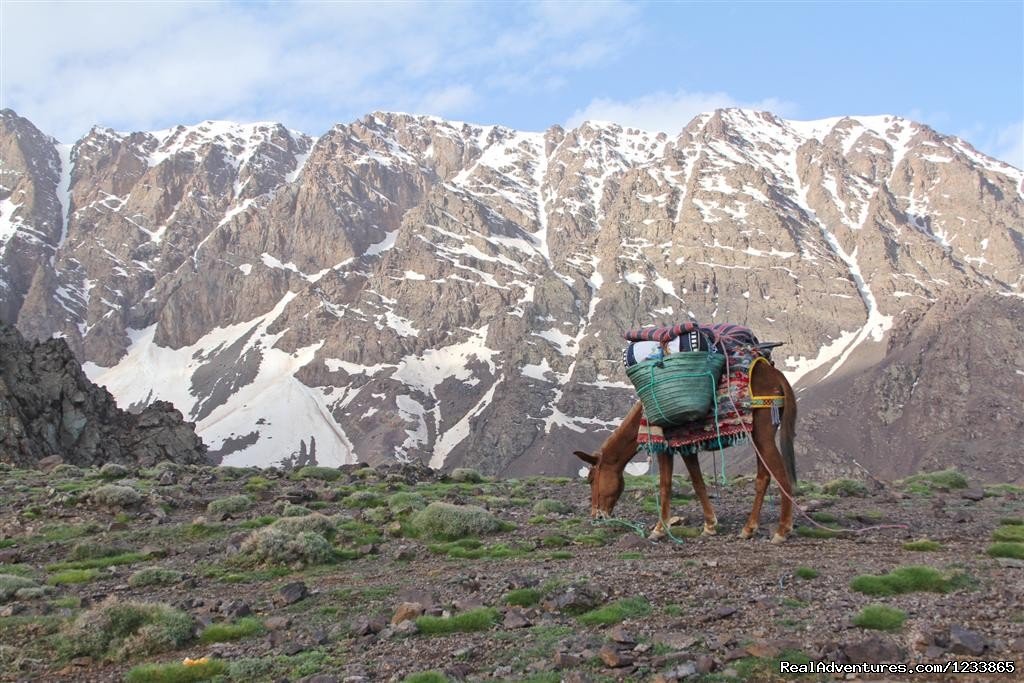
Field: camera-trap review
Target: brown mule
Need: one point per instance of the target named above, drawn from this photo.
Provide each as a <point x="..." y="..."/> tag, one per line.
<point x="607" y="465"/>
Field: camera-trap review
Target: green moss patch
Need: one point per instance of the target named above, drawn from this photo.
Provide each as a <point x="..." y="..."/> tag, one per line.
<point x="177" y="673"/>
<point x="220" y="633"/>
<point x="523" y="597"/>
<point x="903" y="580"/>
<point x="628" y="608"/>
<point x="481" y="619"/>
<point x="880" y="618"/>
<point x="1012" y="533"/>
<point x="72" y="576"/>
<point x="446" y="521"/>
<point x="1007" y="549"/>
<point x="923" y="546"/>
<point x="806" y="573"/>
<point x="154" y="576"/>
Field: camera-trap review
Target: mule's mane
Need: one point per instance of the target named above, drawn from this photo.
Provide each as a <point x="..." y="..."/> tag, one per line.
<point x="620" y="447"/>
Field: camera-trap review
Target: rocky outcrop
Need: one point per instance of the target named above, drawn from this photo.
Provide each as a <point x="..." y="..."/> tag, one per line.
<point x="49" y="409"/>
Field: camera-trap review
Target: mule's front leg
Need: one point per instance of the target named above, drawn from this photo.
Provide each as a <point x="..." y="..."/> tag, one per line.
<point x="697" y="479"/>
<point x="665" y="495"/>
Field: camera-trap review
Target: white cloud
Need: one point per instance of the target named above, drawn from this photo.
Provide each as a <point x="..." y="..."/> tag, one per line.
<point x="139" y="66"/>
<point x="668" y="112"/>
<point x="1008" y="145"/>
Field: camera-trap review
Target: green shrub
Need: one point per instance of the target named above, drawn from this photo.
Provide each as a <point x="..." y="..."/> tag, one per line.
<point x="66" y="471"/>
<point x="824" y="518"/>
<point x="561" y="555"/>
<point x="806" y="573"/>
<point x="289" y="510"/>
<point x="903" y="580"/>
<point x="154" y="576"/>
<point x="91" y="550"/>
<point x="1007" y="549"/>
<point x="321" y="473"/>
<point x="554" y="541"/>
<point x="1011" y="533"/>
<point x="119" y="630"/>
<point x="923" y="545"/>
<point x="116" y="496"/>
<point x="277" y="545"/>
<point x="466" y="475"/>
<point x="426" y="677"/>
<point x="232" y="505"/>
<point x="551" y="506"/>
<point x="71" y="576"/>
<point x="314" y="522"/>
<point x="11" y="584"/>
<point x="113" y="470"/>
<point x="943" y="479"/>
<point x="448" y="521"/>
<point x="363" y="499"/>
<point x="880" y="618"/>
<point x="628" y="608"/>
<point x="99" y="562"/>
<point x="480" y="619"/>
<point x="243" y="628"/>
<point x="1012" y="521"/>
<point x="523" y="597"/>
<point x="847" y="488"/>
<point x="406" y="501"/>
<point x="177" y="673"/>
<point x="250" y="669"/>
<point x="257" y="484"/>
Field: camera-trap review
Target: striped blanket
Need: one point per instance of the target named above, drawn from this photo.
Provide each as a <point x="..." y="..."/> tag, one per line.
<point x="727" y="426"/>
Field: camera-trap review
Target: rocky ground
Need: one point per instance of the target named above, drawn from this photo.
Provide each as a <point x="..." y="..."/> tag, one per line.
<point x="530" y="589"/>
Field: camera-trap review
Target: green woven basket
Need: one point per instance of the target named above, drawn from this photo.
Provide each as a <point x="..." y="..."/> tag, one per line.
<point x="679" y="388"/>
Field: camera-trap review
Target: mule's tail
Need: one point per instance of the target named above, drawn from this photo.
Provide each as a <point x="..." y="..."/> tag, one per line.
<point x="788" y="430"/>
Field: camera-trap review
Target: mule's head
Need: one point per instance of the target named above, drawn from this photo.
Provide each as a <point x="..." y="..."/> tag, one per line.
<point x="606" y="484"/>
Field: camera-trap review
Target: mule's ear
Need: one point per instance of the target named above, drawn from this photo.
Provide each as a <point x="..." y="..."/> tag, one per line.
<point x="585" y="457"/>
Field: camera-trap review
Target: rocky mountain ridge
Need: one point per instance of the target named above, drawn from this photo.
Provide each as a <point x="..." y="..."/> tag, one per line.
<point x="413" y="288"/>
<point x="51" y="413"/>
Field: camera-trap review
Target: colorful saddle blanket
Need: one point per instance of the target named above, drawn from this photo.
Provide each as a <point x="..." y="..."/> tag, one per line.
<point x="730" y="423"/>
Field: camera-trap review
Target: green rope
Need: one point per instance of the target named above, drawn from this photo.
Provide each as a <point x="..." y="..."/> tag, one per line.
<point x="639" y="529"/>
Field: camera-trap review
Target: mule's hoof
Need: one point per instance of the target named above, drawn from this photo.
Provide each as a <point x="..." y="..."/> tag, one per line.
<point x="709" y="531"/>
<point x="778" y="538"/>
<point x="656" y="535"/>
<point x="748" y="533"/>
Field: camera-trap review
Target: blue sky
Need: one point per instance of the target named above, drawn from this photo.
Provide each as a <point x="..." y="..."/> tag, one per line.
<point x="958" y="67"/>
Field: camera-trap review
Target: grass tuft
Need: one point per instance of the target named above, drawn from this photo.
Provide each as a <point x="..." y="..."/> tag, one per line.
<point x="846" y="488"/>
<point x="880" y="618"/>
<point x="220" y="633"/>
<point x="550" y="506"/>
<point x="1012" y="533"/>
<point x="903" y="580"/>
<point x="72" y="576"/>
<point x="523" y="597"/>
<point x="627" y="608"/>
<point x="465" y="475"/>
<point x="481" y="619"/>
<point x="154" y="576"/>
<point x="426" y="677"/>
<point x="11" y="584"/>
<point x="321" y="473"/>
<point x="806" y="573"/>
<point x="923" y="545"/>
<point x="1007" y="549"/>
<point x="931" y="481"/>
<point x="120" y="630"/>
<point x="450" y="522"/>
<point x="232" y="505"/>
<point x="177" y="673"/>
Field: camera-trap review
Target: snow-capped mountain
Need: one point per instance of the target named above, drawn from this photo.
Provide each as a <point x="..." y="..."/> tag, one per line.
<point x="409" y="287"/>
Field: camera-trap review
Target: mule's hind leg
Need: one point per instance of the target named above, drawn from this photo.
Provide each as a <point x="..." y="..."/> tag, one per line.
<point x="697" y="479"/>
<point x="771" y="458"/>
<point x="760" y="487"/>
<point x="665" y="493"/>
